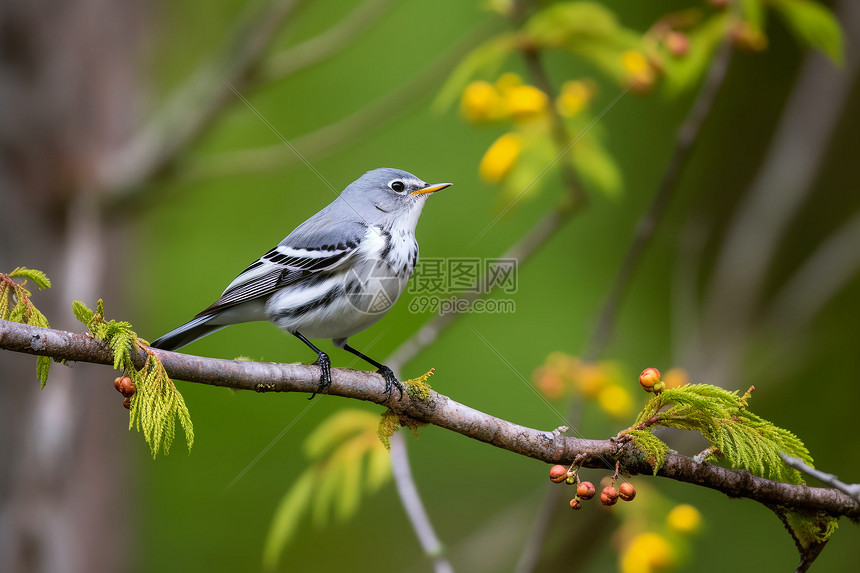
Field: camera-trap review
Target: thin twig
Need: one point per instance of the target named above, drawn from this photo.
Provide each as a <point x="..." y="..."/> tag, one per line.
<point x="529" y="244"/>
<point x="319" y="48"/>
<point x="851" y="490"/>
<point x="411" y="501"/>
<point x="195" y="106"/>
<point x="436" y="409"/>
<point x="685" y="144"/>
<point x="335" y="136"/>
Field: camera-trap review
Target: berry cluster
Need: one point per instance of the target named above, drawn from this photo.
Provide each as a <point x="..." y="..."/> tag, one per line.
<point x="585" y="490"/>
<point x="125" y="386"/>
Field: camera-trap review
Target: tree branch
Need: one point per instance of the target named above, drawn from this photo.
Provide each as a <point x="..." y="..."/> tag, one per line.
<point x="414" y="507"/>
<point x="184" y="118"/>
<point x="329" y="43"/>
<point x="437" y="409"/>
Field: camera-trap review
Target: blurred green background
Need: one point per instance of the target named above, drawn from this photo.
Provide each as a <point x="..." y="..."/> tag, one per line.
<point x="193" y="233"/>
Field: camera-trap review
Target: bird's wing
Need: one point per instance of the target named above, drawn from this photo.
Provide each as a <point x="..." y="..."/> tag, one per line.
<point x="315" y="246"/>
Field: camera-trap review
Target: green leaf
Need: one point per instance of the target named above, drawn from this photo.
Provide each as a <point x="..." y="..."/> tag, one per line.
<point x="652" y="447"/>
<point x="327" y="484"/>
<point x="38" y="277"/>
<point x="43" y="365"/>
<point x="596" y="166"/>
<point x="682" y="74"/>
<point x="336" y="429"/>
<point x="378" y="468"/>
<point x="572" y="24"/>
<point x="587" y="29"/>
<point x="814" y="25"/>
<point x="82" y="313"/>
<point x="286" y="518"/>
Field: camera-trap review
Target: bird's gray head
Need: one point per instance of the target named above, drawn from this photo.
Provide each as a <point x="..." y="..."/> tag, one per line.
<point x="385" y="195"/>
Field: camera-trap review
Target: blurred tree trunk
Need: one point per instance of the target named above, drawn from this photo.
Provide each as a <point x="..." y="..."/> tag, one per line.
<point x="68" y="95"/>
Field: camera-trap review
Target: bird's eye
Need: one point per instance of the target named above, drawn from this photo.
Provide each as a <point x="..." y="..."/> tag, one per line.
<point x="397" y="186"/>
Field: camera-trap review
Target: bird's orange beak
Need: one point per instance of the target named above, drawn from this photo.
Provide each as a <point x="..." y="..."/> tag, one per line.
<point x="431" y="188"/>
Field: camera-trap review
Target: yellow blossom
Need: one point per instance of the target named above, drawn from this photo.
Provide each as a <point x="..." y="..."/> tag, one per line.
<point x="647" y="553"/>
<point x="525" y="101"/>
<point x="563" y="363"/>
<point x="639" y="72"/>
<point x="500" y="157"/>
<point x="591" y="378"/>
<point x="507" y="81"/>
<point x="573" y="98"/>
<point x="615" y="401"/>
<point x="675" y="378"/>
<point x="481" y="102"/>
<point x="684" y="518"/>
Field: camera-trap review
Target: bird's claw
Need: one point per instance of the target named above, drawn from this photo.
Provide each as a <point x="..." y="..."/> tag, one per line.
<point x="324" y="362"/>
<point x="391" y="380"/>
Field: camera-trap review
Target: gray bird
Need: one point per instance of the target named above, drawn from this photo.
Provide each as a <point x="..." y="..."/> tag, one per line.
<point x="333" y="276"/>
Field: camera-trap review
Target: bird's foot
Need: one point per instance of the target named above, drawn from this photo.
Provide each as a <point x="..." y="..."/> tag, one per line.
<point x="391" y="380"/>
<point x="324" y="362"/>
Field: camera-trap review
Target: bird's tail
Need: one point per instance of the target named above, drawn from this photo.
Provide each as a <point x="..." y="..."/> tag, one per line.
<point x="187" y="333"/>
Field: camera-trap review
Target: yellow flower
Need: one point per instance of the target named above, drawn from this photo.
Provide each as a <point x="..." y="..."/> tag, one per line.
<point x="591" y="378"/>
<point x="525" y="101"/>
<point x="481" y="102"/>
<point x="500" y="157"/>
<point x="684" y="518"/>
<point x="566" y="365"/>
<point x="675" y="378"/>
<point x="639" y="72"/>
<point x="647" y="553"/>
<point x="507" y="81"/>
<point x="615" y="401"/>
<point x="573" y="98"/>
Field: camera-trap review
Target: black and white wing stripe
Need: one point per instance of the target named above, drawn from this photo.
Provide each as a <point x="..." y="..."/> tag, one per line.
<point x="282" y="266"/>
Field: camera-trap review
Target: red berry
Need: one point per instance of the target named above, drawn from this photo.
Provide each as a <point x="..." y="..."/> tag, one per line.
<point x="609" y="496"/>
<point x="574" y="504"/>
<point x="678" y="44"/>
<point x="649" y="379"/>
<point x="558" y="473"/>
<point x="626" y="491"/>
<point x="127" y="403"/>
<point x="585" y="490"/>
<point x="116" y="382"/>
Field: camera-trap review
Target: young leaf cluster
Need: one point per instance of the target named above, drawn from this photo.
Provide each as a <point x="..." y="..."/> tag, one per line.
<point x="15" y="306"/>
<point x="157" y="404"/>
<point x="745" y="440"/>
<point x="346" y="457"/>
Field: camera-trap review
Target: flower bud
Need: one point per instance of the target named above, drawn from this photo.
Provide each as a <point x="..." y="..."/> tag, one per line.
<point x="585" y="490"/>
<point x="558" y="473"/>
<point x="126" y="387"/>
<point x="575" y="504"/>
<point x="649" y="378"/>
<point x="127" y="403"/>
<point x="626" y="491"/>
<point x="609" y="496"/>
<point x="677" y="43"/>
<point x="116" y="383"/>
